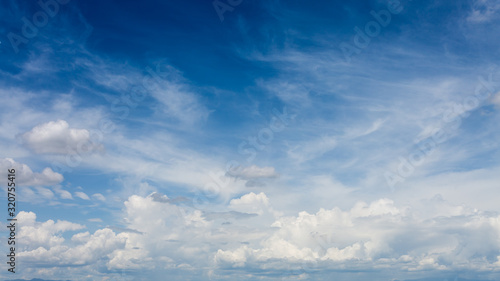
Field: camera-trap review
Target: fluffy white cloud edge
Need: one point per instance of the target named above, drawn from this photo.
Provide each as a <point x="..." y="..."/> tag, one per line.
<point x="379" y="234"/>
<point x="56" y="137"/>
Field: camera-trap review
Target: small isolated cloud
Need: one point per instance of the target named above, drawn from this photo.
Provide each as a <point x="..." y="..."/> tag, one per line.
<point x="82" y="195"/>
<point x="253" y="172"/>
<point x="64" y="194"/>
<point x="45" y="192"/>
<point x="56" y="137"/>
<point x="25" y="176"/>
<point x="250" y="203"/>
<point x="95" y="220"/>
<point x="99" y="196"/>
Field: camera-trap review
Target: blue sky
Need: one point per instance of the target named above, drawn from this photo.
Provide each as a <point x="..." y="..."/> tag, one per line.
<point x="252" y="140"/>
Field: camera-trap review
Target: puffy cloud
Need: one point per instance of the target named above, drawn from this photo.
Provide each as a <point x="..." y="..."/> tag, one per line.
<point x="170" y="231"/>
<point x="82" y="195"/>
<point x="96" y="248"/>
<point x="46" y="234"/>
<point x="44" y="244"/>
<point x="81" y="237"/>
<point x="45" y="192"/>
<point x="56" y="137"/>
<point x="99" y="196"/>
<point x="25" y="176"/>
<point x="250" y="203"/>
<point x="378" y="234"/>
<point x="64" y="194"/>
<point x="162" y="235"/>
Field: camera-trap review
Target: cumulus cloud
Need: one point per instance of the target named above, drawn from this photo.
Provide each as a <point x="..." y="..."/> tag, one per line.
<point x="82" y="195"/>
<point x="42" y="234"/>
<point x="63" y="194"/>
<point x="44" y="243"/>
<point x="378" y="234"/>
<point x="171" y="232"/>
<point x="99" y="245"/>
<point x="25" y="176"/>
<point x="250" y="203"/>
<point x="44" y="192"/>
<point x="99" y="196"/>
<point x="56" y="137"/>
<point x="374" y="235"/>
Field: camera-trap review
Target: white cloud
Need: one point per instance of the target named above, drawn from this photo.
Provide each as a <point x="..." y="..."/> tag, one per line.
<point x="99" y="196"/>
<point x="42" y="234"/>
<point x="250" y="203"/>
<point x="171" y="232"/>
<point x="44" y="244"/>
<point x="64" y="194"/>
<point x="369" y="235"/>
<point x="56" y="137"/>
<point x="82" y="195"/>
<point x="44" y="192"/>
<point x="99" y="245"/>
<point x="374" y="235"/>
<point x="25" y="176"/>
<point x="81" y="237"/>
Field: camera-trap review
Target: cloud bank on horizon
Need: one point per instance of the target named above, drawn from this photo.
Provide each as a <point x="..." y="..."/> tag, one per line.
<point x="252" y="140"/>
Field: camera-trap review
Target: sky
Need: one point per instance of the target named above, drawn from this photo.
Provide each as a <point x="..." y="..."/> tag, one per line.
<point x="251" y="140"/>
